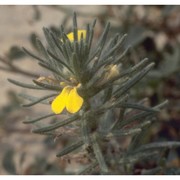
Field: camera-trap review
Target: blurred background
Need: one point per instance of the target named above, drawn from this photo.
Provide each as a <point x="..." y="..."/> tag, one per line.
<point x="153" y="32"/>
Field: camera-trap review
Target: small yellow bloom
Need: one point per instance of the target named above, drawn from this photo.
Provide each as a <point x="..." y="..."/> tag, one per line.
<point x="79" y="32"/>
<point x="69" y="99"/>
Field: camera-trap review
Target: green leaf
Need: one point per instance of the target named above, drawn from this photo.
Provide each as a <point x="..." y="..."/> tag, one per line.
<point x="50" y="68"/>
<point x="59" y="42"/>
<point x="127" y="132"/>
<point x="60" y="61"/>
<point x="92" y="57"/>
<point x="65" y="53"/>
<point x="120" y="91"/>
<point x="107" y="120"/>
<point x="42" y="50"/>
<point x="100" y="46"/>
<point x="137" y="157"/>
<point x="56" y="125"/>
<point x="91" y="34"/>
<point x="48" y="86"/>
<point x="32" y="98"/>
<point x="76" y="66"/>
<point x="99" y="155"/>
<point x="129" y="72"/>
<point x="32" y="55"/>
<point x="111" y="43"/>
<point x="158" y="145"/>
<point x="38" y="100"/>
<point x="103" y="36"/>
<point x="136" y="106"/>
<point x="75" y="27"/>
<point x="24" y="85"/>
<point x="70" y="148"/>
<point x="142" y="116"/>
<point x="85" y="130"/>
<point x="50" y="41"/>
<point x="38" y="118"/>
<point x="120" y="57"/>
<point x="137" y="117"/>
<point x="116" y="47"/>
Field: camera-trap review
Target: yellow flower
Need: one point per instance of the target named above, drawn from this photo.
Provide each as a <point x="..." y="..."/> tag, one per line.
<point x="79" y="32"/>
<point x="69" y="99"/>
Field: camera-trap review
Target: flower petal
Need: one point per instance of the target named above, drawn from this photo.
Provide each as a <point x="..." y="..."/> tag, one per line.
<point x="71" y="35"/>
<point x="59" y="102"/>
<point x="74" y="101"/>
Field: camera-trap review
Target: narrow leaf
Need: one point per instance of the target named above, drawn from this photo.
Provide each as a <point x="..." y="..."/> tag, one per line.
<point x="29" y="86"/>
<point x="137" y="106"/>
<point x="39" y="100"/>
<point x="103" y="37"/>
<point x="157" y="145"/>
<point x="56" y="125"/>
<point x="38" y="118"/>
<point x="124" y="132"/>
<point x="70" y="148"/>
<point x="60" y="61"/>
<point x="32" y="55"/>
<point x="99" y="155"/>
<point x="50" y="68"/>
<point x="112" y="50"/>
<point x="139" y="117"/>
<point x="133" y="81"/>
<point x="85" y="130"/>
<point x="42" y="49"/>
<point x="91" y="34"/>
<point x="137" y="157"/>
<point x="120" y="58"/>
<point x="32" y="98"/>
<point x="48" y="86"/>
<point x="52" y="44"/>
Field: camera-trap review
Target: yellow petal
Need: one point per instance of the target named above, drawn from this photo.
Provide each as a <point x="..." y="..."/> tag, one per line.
<point x="71" y="35"/>
<point x="59" y="102"/>
<point x="74" y="101"/>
